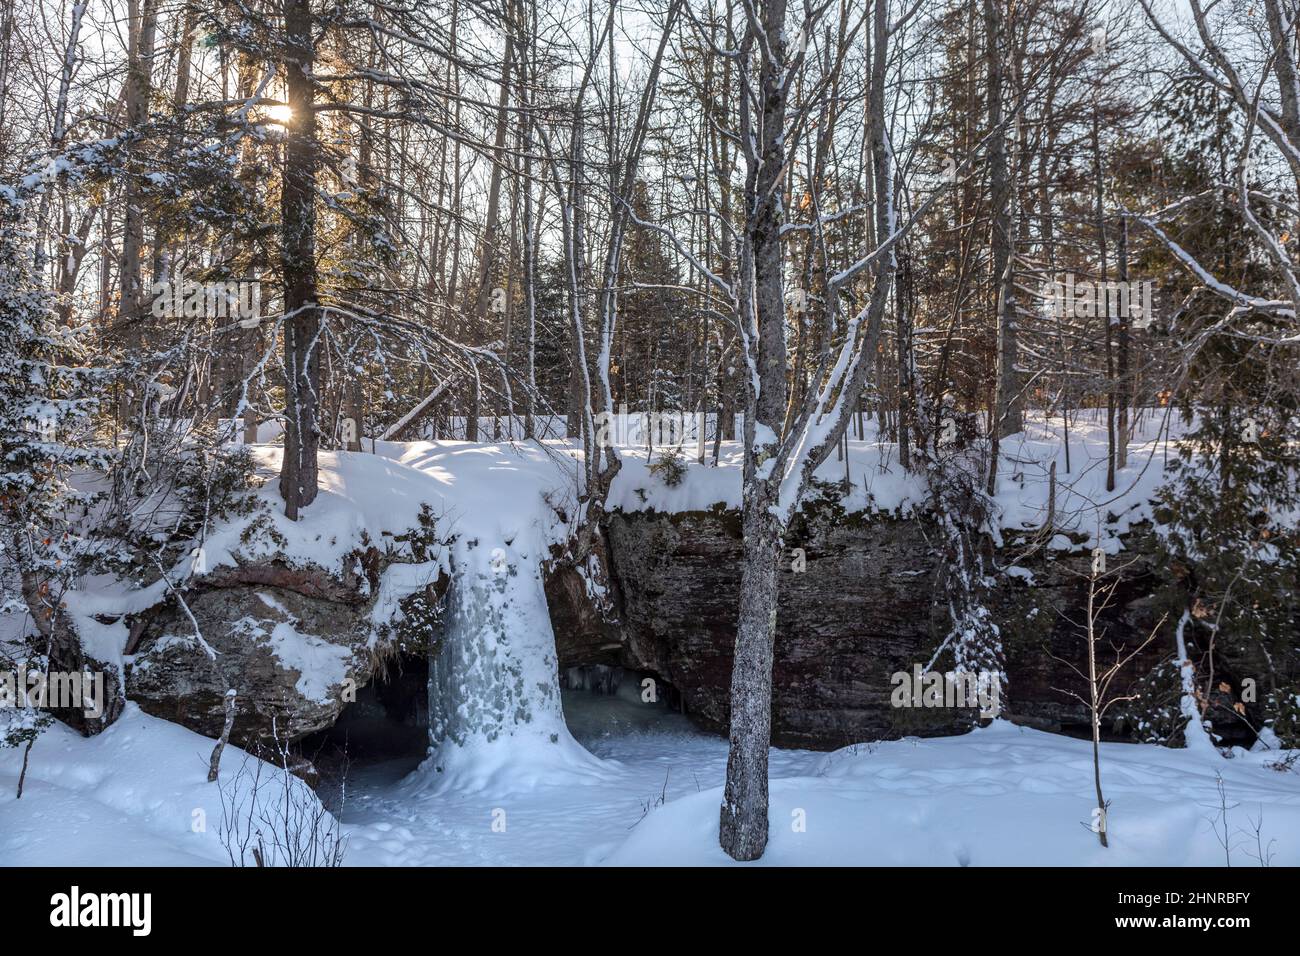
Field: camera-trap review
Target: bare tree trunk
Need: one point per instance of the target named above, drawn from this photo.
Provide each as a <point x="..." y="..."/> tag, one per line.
<point x="1288" y="83"/>
<point x="60" y="125"/>
<point x="7" y="15"/>
<point x="743" y="821"/>
<point x="302" y="346"/>
<point x="22" y="775"/>
<point x="70" y="259"/>
<point x="138" y="86"/>
<point x="180" y="98"/>
<point x="354" y="410"/>
<point x="488" y="247"/>
<point x="576" y="261"/>
<point x="1095" y="710"/>
<point x="457" y="179"/>
<point x="903" y="346"/>
<point x="1008" y="407"/>
<point x="779" y="468"/>
<point x="247" y="344"/>
<point x="1124" y="391"/>
<point x="725" y="160"/>
<point x="1099" y="186"/>
<point x="214" y="762"/>
<point x="529" y="265"/>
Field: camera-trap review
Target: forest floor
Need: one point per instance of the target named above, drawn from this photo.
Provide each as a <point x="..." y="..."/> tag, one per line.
<point x="1003" y="795"/>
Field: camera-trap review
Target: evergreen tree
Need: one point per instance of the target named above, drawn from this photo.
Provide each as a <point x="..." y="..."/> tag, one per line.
<point x="1229" y="537"/>
<point x="46" y="399"/>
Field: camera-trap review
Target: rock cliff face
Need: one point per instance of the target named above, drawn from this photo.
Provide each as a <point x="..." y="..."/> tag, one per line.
<point x="862" y="609"/>
<point x="297" y="642"/>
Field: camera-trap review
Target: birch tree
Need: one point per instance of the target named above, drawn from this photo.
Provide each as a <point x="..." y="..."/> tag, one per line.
<point x="781" y="456"/>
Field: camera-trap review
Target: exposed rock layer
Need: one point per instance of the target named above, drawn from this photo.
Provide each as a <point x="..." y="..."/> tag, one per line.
<point x="296" y="643"/>
<point x="862" y="610"/>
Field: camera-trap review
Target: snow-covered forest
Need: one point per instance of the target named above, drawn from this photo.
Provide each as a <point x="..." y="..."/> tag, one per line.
<point x="650" y="432"/>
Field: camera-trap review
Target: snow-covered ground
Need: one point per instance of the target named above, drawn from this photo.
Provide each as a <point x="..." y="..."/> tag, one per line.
<point x="999" y="796"/>
<point x="1083" y="506"/>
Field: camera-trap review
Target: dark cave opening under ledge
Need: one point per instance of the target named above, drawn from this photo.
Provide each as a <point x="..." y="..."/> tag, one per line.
<point x="601" y="701"/>
<point x="384" y="733"/>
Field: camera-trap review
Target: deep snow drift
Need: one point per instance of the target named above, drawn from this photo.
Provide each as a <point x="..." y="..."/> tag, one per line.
<point x="999" y="796"/>
<point x="135" y="795"/>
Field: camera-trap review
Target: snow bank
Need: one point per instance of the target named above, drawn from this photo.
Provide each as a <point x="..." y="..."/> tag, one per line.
<point x="135" y="795"/>
<point x="1000" y="796"/>
<point x="1083" y="507"/>
<point x="362" y="497"/>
